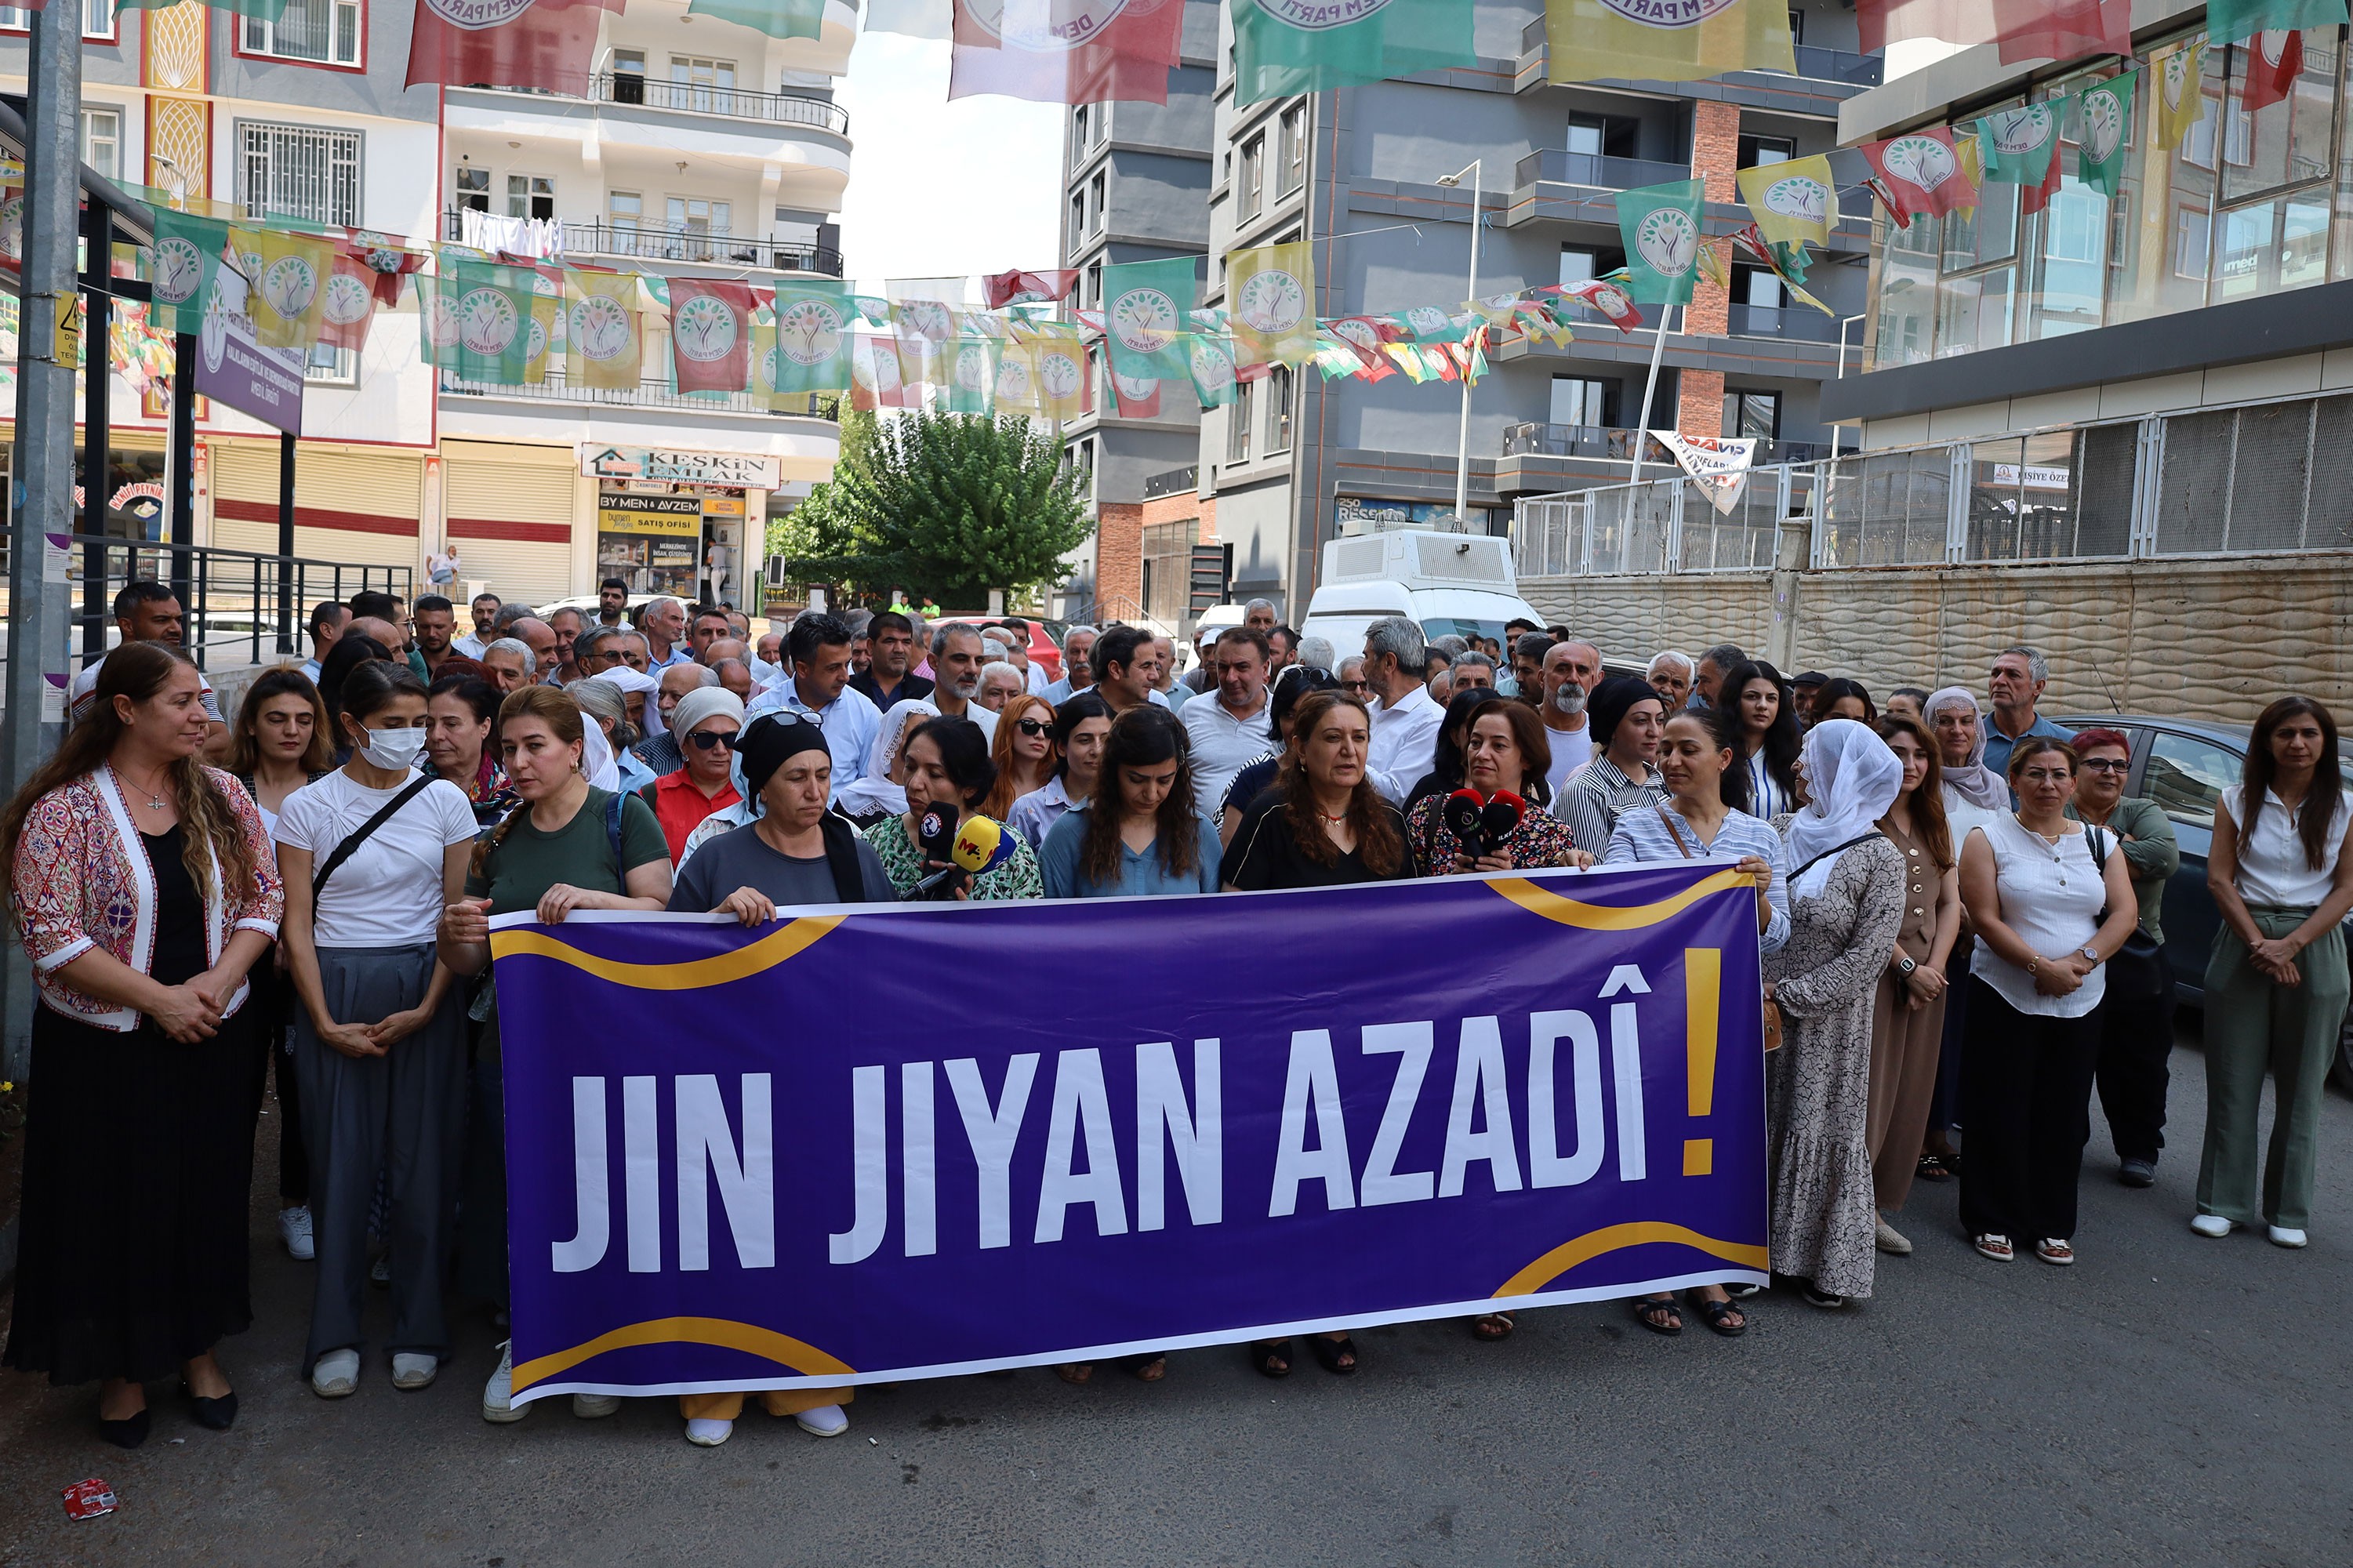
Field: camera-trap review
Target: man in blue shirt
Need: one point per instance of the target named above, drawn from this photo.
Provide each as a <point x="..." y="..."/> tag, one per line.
<point x="816" y="651"/>
<point x="2020" y="673"/>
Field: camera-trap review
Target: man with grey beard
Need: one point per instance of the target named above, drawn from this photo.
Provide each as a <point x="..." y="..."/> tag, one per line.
<point x="1571" y="671"/>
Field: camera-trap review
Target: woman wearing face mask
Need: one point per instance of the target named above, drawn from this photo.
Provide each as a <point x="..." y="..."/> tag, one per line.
<point x="1503" y="749"/>
<point x="1763" y="709"/>
<point x="570" y="845"/>
<point x="348" y="653"/>
<point x="945" y="765"/>
<point x="1292" y="688"/>
<point x="1023" y="751"/>
<point x="1081" y="726"/>
<point x="371" y="853"/>
<point x="459" y="712"/>
<point x="1974" y="795"/>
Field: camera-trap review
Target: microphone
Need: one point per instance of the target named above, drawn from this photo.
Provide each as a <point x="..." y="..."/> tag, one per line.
<point x="982" y="845"/>
<point x="1462" y="819"/>
<point x="935" y="838"/>
<point x="1500" y="818"/>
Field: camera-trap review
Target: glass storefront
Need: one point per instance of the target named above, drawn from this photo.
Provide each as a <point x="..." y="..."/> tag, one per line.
<point x="653" y="542"/>
<point x="2251" y="203"/>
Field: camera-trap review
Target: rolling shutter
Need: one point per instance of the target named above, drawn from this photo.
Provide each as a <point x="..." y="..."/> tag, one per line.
<point x="511" y="511"/>
<point x="352" y="507"/>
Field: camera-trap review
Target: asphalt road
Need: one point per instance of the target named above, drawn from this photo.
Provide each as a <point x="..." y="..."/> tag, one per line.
<point x="2169" y="1399"/>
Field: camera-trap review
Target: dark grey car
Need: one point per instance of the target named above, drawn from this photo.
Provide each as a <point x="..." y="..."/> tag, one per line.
<point x="2184" y="765"/>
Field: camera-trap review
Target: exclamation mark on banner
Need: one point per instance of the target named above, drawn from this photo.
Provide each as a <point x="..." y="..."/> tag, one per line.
<point x="1702" y="985"/>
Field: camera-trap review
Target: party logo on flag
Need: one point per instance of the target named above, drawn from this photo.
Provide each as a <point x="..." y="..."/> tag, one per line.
<point x="1923" y="160"/>
<point x="348" y="300"/>
<point x="1668" y="240"/>
<point x="441" y="328"/>
<point x="600" y="327"/>
<point x="1144" y="320"/>
<point x="1800" y="199"/>
<point x="1272" y="303"/>
<point x="929" y="319"/>
<point x="474" y="15"/>
<point x="1213" y="369"/>
<point x="1317" y="15"/>
<point x="704" y="330"/>
<point x="1670" y="13"/>
<point x="179" y="265"/>
<point x="971" y="372"/>
<point x="487" y="322"/>
<point x="808" y="331"/>
<point x="1138" y="395"/>
<point x="1056" y="25"/>
<point x="2017" y="132"/>
<point x="289" y="285"/>
<point x="2104" y="123"/>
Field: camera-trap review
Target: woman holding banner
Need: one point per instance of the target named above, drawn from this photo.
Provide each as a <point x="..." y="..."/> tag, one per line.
<point x="946" y="768"/>
<point x="1322" y="826"/>
<point x="568" y="847"/>
<point x="1847" y="897"/>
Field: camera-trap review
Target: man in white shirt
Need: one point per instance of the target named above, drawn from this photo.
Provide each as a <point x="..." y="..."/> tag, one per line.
<point x="145" y="612"/>
<point x="1078" y="669"/>
<point x="955" y="693"/>
<point x="817" y="650"/>
<point x="485" y="609"/>
<point x="327" y="622"/>
<point x="1405" y="719"/>
<point x="663" y="622"/>
<point x="1229" y="727"/>
<point x="1571" y="671"/>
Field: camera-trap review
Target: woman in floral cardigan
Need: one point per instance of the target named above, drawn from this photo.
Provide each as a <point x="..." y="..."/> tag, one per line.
<point x="143" y="888"/>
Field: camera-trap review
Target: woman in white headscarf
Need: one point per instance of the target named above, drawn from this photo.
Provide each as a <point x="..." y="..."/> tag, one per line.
<point x="607" y="758"/>
<point x="1974" y="795"/>
<point x="1846" y="902"/>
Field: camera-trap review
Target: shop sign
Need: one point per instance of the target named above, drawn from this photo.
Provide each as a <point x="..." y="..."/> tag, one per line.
<point x="661" y="464"/>
<point x="679" y="516"/>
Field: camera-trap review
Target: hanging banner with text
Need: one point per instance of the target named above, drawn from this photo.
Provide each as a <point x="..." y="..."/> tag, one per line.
<point x="819" y="1152"/>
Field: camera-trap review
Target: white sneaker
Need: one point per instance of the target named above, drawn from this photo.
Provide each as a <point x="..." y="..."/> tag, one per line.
<point x="2210" y="1225"/>
<point x="337" y="1375"/>
<point x="294" y="1230"/>
<point x="708" y="1434"/>
<point x="498" y="1394"/>
<point x="414" y="1370"/>
<point x="825" y="1421"/>
<point x="589" y="1406"/>
<point x="2282" y="1237"/>
<point x="1890" y="1240"/>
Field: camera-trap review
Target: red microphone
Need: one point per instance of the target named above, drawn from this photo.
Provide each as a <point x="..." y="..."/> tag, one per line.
<point x="1462" y="809"/>
<point x="1500" y="818"/>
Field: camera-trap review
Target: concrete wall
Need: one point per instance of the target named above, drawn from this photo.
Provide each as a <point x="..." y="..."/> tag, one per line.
<point x="2208" y="639"/>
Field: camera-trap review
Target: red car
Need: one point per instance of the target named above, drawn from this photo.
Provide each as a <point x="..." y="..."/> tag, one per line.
<point x="1043" y="652"/>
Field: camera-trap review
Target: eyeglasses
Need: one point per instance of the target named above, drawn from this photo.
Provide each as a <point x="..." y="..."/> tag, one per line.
<point x="1032" y="726"/>
<point x="2105" y="765"/>
<point x="708" y="739"/>
<point x="778" y="715"/>
<point x="2044" y="776"/>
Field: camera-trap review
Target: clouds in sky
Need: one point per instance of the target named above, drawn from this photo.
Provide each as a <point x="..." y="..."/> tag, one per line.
<point x="940" y="189"/>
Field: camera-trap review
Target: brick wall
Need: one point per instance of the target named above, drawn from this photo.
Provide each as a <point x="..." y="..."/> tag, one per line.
<point x="1715" y="158"/>
<point x="1118" y="552"/>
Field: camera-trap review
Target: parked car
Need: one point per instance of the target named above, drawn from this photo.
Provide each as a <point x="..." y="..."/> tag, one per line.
<point x="2184" y="765"/>
<point x="1044" y="651"/>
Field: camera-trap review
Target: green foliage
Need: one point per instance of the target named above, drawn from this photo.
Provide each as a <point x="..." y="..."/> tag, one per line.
<point x="946" y="506"/>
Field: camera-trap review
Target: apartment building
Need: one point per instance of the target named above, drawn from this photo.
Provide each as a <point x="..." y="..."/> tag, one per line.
<point x="1295" y="459"/>
<point x="704" y="146"/>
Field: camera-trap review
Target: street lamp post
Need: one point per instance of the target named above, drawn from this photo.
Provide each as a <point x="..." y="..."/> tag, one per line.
<point x="1463" y="437"/>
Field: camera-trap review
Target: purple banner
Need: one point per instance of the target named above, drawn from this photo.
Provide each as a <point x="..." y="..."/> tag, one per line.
<point x="883" y="1141"/>
<point x="232" y="368"/>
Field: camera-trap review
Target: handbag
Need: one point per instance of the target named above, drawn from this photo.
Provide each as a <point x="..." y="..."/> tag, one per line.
<point x="1771" y="1009"/>
<point x="2137" y="969"/>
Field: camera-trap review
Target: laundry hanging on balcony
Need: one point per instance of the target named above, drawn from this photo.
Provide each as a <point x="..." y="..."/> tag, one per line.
<point x="539" y="238"/>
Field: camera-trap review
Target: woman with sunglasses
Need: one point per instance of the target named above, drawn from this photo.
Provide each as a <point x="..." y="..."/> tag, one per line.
<point x="1081" y="726"/>
<point x="703" y="722"/>
<point x="946" y="766"/>
<point x="1023" y="751"/>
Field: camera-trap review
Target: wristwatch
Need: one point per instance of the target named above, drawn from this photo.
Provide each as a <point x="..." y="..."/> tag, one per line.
<point x="2089" y="955"/>
<point x="1903" y="964"/>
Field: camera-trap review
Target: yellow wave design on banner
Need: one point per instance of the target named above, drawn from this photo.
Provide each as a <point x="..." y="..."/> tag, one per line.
<point x="1537" y="899"/>
<point x="718" y="970"/>
<point x="724" y="1332"/>
<point x="1593" y="1243"/>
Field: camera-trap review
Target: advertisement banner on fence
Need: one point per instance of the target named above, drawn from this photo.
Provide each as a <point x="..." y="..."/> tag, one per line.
<point x="829" y="1150"/>
<point x="1718" y="465"/>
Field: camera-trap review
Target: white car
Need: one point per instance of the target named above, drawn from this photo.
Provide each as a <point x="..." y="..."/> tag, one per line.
<point x="1460" y="584"/>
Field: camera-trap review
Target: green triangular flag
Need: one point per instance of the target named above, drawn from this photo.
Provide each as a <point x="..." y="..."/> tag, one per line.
<point x="2228" y="21"/>
<point x="777" y="18"/>
<point x="1210" y="362"/>
<point x="970" y="374"/>
<point x="2103" y="117"/>
<point x="186" y="261"/>
<point x="1661" y="227"/>
<point x="1143" y="307"/>
<point x="1285" y="47"/>
<point x="2015" y="145"/>
<point x="814" y="339"/>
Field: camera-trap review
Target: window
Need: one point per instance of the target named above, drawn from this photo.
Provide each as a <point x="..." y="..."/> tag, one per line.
<point x="1078" y="130"/>
<point x="1096" y="200"/>
<point x="530" y="195"/>
<point x="1756" y="151"/>
<point x="1239" y="415"/>
<point x="1756" y="414"/>
<point x="625" y="212"/>
<point x="630" y="62"/>
<point x="1078" y="217"/>
<point x="331" y="367"/>
<point x="1278" y="409"/>
<point x="1601" y="135"/>
<point x="1226" y="166"/>
<point x="1102" y="123"/>
<point x="323" y="32"/>
<point x="302" y="173"/>
<point x="701" y="215"/>
<point x="1797" y="26"/>
<point x="1253" y="191"/>
<point x="1091" y="285"/>
<point x="101" y="141"/>
<point x="1578" y="402"/>
<point x="1292" y="148"/>
<point x="97" y="19"/>
<point x="706" y="86"/>
<point x="1579" y="263"/>
<point x="473" y="188"/>
<point x="2186" y="777"/>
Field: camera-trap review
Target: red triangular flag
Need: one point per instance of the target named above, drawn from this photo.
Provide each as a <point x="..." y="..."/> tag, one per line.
<point x="1923" y="172"/>
<point x="1018" y="49"/>
<point x="710" y="334"/>
<point x="1138" y="396"/>
<point x="2274" y="61"/>
<point x="1029" y="288"/>
<point x="546" y="44"/>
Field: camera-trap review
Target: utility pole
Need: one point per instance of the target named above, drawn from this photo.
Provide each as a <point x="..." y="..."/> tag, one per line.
<point x="42" y="511"/>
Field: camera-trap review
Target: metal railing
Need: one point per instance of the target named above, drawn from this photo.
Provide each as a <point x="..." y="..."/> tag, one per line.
<point x="633" y="90"/>
<point x="1605" y="442"/>
<point x="1793" y="324"/>
<point x="655" y="242"/>
<point x="1554" y="166"/>
<point x="1172" y="482"/>
<point x="1813" y="65"/>
<point x="1657" y="526"/>
<point x="241" y="605"/>
<point x="652" y="392"/>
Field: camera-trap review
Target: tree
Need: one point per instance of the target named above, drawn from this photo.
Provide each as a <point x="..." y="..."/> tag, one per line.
<point x="946" y="506"/>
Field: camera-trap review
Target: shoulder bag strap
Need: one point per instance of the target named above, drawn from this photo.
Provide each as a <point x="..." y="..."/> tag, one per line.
<point x="343" y="851"/>
<point x="1669" y="824"/>
<point x="613" y="832"/>
<point x="1833" y="849"/>
<point x="841" y="858"/>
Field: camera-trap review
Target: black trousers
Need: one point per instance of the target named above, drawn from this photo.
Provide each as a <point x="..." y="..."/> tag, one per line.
<point x="274" y="1003"/>
<point x="2026" y="1100"/>
<point x="2135" y="1039"/>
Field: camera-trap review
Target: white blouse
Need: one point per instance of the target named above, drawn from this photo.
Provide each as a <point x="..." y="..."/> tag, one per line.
<point x="2272" y="869"/>
<point x="2051" y="897"/>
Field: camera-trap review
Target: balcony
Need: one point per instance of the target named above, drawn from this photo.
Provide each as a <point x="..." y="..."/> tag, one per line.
<point x="1793" y="324"/>
<point x="635" y="91"/>
<point x="1839" y="66"/>
<point x="1172" y="482"/>
<point x="1615" y="446"/>
<point x="652" y="392"/>
<point x="653" y="242"/>
<point x="1552" y="166"/>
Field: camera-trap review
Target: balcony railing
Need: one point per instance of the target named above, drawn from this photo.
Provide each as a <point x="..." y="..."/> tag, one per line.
<point x="1551" y="165"/>
<point x="698" y="98"/>
<point x="1813" y="64"/>
<point x="653" y="242"/>
<point x="652" y="392"/>
<point x="1604" y="442"/>
<point x="1795" y="323"/>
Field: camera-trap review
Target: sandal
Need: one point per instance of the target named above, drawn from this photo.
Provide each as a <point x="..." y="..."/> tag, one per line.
<point x="1717" y="1312"/>
<point x="1997" y="1248"/>
<point x="1148" y="1368"/>
<point x="1075" y="1371"/>
<point x="1494" y="1326"/>
<point x="1331" y="1353"/>
<point x="1658" y="1317"/>
<point x="1272" y="1358"/>
<point x="1932" y="1168"/>
<point x="2054" y="1249"/>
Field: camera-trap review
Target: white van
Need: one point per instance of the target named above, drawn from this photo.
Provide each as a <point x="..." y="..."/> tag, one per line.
<point x="1458" y="584"/>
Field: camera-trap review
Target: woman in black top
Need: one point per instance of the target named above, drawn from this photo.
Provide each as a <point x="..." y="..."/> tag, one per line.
<point x="1321" y="825"/>
<point x="1292" y="688"/>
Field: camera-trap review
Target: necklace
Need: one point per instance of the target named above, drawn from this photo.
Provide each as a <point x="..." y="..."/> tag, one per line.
<point x="154" y="801"/>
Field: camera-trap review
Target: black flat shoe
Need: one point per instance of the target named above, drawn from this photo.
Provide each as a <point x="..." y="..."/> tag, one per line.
<point x="218" y="1415"/>
<point x="127" y="1432"/>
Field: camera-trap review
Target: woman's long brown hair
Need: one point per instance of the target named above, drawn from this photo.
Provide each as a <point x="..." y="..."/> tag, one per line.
<point x="2317" y="812"/>
<point x="1928" y="800"/>
<point x="1143" y="737"/>
<point x="1378" y="842"/>
<point x="208" y="821"/>
<point x="245" y="738"/>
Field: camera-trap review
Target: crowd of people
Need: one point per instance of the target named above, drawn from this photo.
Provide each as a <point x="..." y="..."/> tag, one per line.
<point x="1957" y="913"/>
